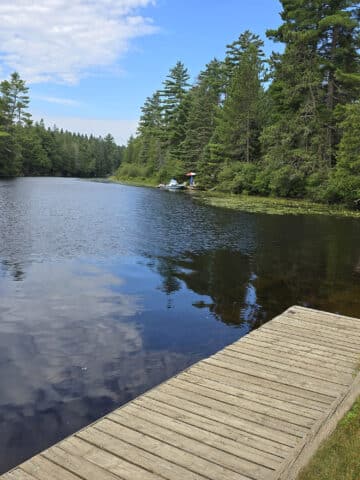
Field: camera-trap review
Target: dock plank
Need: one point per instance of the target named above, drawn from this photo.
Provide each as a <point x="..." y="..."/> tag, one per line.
<point x="319" y="373"/>
<point x="43" y="469"/>
<point x="284" y="329"/>
<point x="242" y="404"/>
<point x="226" y="417"/>
<point x="164" y="450"/>
<point x="304" y="344"/>
<point x="267" y="392"/>
<point x="233" y="432"/>
<point x="241" y="391"/>
<point x="103" y="459"/>
<point x="257" y="410"/>
<point x="329" y="329"/>
<point x="272" y="387"/>
<point x="314" y="331"/>
<point x="140" y="457"/>
<point x="320" y="387"/>
<point x="322" y="317"/>
<point x="237" y="448"/>
<point x="188" y="444"/>
<point x="18" y="474"/>
<point x="77" y="465"/>
<point x="266" y="349"/>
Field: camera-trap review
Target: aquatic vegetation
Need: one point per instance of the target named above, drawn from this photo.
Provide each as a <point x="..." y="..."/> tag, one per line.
<point x="270" y="205"/>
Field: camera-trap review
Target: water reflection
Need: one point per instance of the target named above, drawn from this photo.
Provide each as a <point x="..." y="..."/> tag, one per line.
<point x="107" y="290"/>
<point x="14" y="269"/>
<point x="79" y="339"/>
<point x="227" y="277"/>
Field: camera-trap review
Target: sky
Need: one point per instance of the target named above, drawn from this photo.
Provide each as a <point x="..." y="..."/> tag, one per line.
<point x="90" y="64"/>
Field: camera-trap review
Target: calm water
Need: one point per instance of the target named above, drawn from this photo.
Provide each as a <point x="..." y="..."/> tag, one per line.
<point x="107" y="290"/>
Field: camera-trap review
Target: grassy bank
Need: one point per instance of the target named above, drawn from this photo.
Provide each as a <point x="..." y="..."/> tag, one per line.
<point x="339" y="457"/>
<point x="135" y="182"/>
<point x="275" y="206"/>
<point x="252" y="204"/>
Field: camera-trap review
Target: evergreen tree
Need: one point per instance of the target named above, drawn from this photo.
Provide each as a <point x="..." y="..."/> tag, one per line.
<point x="236" y="137"/>
<point x="235" y="52"/>
<point x="35" y="160"/>
<point x="175" y="107"/>
<point x="205" y="99"/>
<point x="151" y="133"/>
<point x="338" y="49"/>
<point x="297" y="138"/>
<point x="345" y="180"/>
<point x="10" y="162"/>
<point x="318" y="70"/>
<point x="14" y="101"/>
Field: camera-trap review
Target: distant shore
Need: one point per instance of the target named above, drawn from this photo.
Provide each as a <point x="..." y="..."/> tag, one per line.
<point x="253" y="204"/>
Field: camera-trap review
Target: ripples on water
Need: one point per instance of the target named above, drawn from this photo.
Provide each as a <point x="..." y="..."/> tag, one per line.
<point x="106" y="290"/>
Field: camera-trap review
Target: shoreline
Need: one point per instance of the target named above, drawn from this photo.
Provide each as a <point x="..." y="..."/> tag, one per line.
<point x="254" y="204"/>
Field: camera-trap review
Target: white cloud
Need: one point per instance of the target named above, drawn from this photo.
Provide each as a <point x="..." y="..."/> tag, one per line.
<point x="62" y="40"/>
<point x="58" y="100"/>
<point x="119" y="129"/>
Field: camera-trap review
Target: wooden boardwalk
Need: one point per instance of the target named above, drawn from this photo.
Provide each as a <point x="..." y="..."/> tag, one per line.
<point x="256" y="410"/>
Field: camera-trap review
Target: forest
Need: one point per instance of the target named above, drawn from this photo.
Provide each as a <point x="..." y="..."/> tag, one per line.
<point x="284" y="126"/>
<point x="29" y="148"/>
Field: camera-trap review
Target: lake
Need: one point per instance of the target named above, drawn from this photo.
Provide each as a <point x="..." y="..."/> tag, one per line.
<point x="107" y="290"/>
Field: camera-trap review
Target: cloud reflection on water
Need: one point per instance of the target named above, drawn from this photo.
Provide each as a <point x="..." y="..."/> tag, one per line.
<point x="68" y="353"/>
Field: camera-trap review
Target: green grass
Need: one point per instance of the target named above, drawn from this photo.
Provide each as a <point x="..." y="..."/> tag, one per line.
<point x="135" y="182"/>
<point x="270" y="205"/>
<point x="338" y="458"/>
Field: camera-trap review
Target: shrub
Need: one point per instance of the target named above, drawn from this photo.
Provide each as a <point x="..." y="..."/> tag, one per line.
<point x="287" y="182"/>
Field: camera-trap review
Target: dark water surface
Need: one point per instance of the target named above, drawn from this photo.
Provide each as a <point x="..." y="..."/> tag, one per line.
<point x="107" y="290"/>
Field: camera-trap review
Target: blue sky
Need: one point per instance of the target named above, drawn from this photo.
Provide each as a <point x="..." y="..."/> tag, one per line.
<point x="90" y="64"/>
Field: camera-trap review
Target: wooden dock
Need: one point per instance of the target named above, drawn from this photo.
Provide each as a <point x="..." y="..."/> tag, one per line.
<point x="256" y="410"/>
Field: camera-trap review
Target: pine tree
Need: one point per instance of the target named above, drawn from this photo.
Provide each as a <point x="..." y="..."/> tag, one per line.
<point x="205" y="99"/>
<point x="15" y="101"/>
<point x="338" y="49"/>
<point x="175" y="107"/>
<point x="110" y="155"/>
<point x="34" y="158"/>
<point x="317" y="71"/>
<point x="236" y="137"/>
<point x="235" y="51"/>
<point x="345" y="180"/>
<point x="151" y="133"/>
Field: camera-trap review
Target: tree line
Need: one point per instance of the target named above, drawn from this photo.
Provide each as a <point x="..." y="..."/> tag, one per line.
<point x="287" y="126"/>
<point x="28" y="148"/>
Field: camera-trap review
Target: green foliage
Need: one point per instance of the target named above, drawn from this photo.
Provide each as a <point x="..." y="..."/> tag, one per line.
<point x="130" y="171"/>
<point x="286" y="182"/>
<point x="271" y="205"/>
<point x="34" y="158"/>
<point x="236" y="137"/>
<point x="10" y="162"/>
<point x="344" y="184"/>
<point x="299" y="138"/>
<point x="14" y="102"/>
<point x="31" y="149"/>
<point x="204" y="101"/>
<point x="318" y="70"/>
<point x="238" y="177"/>
<point x="175" y="106"/>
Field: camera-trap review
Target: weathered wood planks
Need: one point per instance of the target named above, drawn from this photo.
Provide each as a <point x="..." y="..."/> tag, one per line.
<point x="257" y="410"/>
